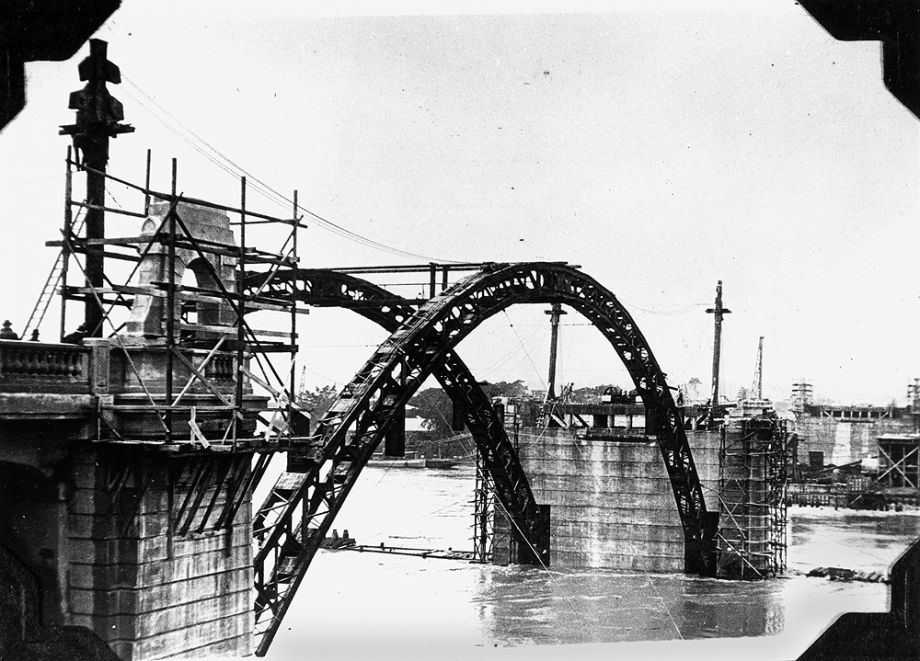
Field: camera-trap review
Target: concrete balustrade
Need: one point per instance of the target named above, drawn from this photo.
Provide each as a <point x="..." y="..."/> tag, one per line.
<point x="46" y="364"/>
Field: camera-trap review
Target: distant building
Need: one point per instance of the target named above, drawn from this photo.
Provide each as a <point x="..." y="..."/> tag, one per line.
<point x="842" y="434"/>
<point x="414" y="422"/>
<point x="802" y="396"/>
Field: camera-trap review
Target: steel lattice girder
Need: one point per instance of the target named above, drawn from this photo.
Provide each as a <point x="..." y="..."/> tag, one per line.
<point x="324" y="288"/>
<point x="399" y="366"/>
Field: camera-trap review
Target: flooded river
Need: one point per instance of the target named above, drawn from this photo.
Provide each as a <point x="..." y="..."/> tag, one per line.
<point x="354" y="605"/>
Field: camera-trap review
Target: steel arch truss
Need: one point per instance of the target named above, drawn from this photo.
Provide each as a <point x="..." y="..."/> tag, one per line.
<point x="284" y="553"/>
<point x="356" y="422"/>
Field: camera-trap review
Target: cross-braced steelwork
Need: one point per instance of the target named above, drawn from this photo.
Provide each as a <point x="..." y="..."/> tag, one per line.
<point x="282" y="550"/>
<point x="752" y="487"/>
<point x="200" y="397"/>
<point x="292" y="528"/>
<point x="483" y="514"/>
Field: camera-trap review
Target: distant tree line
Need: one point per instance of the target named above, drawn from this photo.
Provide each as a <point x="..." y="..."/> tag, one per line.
<point x="435" y="407"/>
<point x="318" y="400"/>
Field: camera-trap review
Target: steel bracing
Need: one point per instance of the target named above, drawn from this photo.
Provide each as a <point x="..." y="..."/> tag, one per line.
<point x="208" y="359"/>
<point x="752" y="487"/>
<point x="283" y="551"/>
<point x="218" y="357"/>
<point x="292" y="525"/>
<point x="194" y="410"/>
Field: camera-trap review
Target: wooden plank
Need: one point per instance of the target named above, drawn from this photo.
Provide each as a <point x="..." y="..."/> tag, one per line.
<point x="273" y="348"/>
<point x="283" y="301"/>
<point x="115" y="210"/>
<point x="80" y="249"/>
<point x="127" y="241"/>
<point x="165" y="407"/>
<point x="181" y="294"/>
<point x="208" y="328"/>
<point x="290" y="481"/>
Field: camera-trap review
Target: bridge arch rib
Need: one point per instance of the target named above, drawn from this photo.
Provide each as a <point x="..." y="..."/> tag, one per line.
<point x="422" y="343"/>
<point x="281" y="573"/>
<point x="324" y="288"/>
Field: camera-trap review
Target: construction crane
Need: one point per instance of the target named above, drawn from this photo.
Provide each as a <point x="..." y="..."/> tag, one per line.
<point x="757" y="387"/>
<point x="302" y="388"/>
<point x="718" y="313"/>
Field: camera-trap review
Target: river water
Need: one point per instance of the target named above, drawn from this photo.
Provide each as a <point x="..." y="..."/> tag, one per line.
<point x="363" y="605"/>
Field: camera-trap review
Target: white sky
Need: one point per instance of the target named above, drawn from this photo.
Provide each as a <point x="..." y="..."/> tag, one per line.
<point x="659" y="150"/>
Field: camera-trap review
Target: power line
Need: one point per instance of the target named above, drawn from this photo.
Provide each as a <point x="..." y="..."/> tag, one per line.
<point x="532" y="364"/>
<point x="260" y="186"/>
<point x="503" y="360"/>
<point x="668" y="313"/>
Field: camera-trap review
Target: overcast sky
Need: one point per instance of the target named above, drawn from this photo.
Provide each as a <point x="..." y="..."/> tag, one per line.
<point x="659" y="150"/>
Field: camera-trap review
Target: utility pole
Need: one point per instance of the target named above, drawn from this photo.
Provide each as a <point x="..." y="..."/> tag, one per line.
<point x="554" y="314"/>
<point x="718" y="312"/>
<point x="99" y="116"/>
<point x="757" y="388"/>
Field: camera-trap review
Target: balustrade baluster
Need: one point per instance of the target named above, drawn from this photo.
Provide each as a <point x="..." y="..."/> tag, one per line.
<point x="27" y="362"/>
<point x="60" y="364"/>
<point x="42" y="362"/>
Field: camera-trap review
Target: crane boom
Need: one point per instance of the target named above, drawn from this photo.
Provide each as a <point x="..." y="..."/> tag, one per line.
<point x="757" y="388"/>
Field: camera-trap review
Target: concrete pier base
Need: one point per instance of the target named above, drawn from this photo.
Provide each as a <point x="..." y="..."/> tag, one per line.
<point x="611" y="501"/>
<point x="101" y="544"/>
<point x="145" y="586"/>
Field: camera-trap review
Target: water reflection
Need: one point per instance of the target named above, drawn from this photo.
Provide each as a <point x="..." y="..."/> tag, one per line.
<point x="528" y="606"/>
<point x="709" y="608"/>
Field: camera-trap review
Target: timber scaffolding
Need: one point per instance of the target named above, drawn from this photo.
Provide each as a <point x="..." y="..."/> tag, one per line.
<point x="752" y="538"/>
<point x="172" y="385"/>
<point x="205" y="348"/>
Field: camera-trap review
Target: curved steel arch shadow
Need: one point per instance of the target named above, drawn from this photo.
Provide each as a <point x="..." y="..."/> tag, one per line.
<point x="397" y="368"/>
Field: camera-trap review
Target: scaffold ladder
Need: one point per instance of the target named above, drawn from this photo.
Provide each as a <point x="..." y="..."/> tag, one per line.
<point x="50" y="288"/>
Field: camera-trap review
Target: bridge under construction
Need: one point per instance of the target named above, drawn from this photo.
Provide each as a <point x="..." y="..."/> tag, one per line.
<point x="131" y="448"/>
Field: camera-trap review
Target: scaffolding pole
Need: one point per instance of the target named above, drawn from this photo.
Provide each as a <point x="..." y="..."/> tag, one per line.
<point x="483" y="513"/>
<point x="752" y="537"/>
<point x="196" y="348"/>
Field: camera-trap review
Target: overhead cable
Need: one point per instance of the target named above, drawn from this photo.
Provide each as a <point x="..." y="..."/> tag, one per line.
<point x="219" y="159"/>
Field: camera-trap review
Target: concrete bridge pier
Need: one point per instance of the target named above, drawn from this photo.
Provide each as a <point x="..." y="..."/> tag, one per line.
<point x="117" y="519"/>
<point x="600" y="470"/>
<point x="144" y="543"/>
<point x="143" y="572"/>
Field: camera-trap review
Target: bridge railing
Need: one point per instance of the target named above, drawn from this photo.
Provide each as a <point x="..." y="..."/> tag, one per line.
<point x="44" y="367"/>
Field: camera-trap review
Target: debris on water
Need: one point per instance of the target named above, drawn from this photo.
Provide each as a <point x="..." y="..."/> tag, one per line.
<point x="336" y="542"/>
<point x="847" y="575"/>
